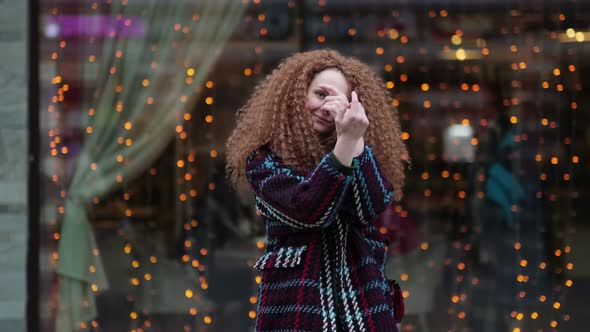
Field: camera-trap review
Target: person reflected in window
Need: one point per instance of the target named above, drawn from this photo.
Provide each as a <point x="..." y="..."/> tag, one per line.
<point x="320" y="145"/>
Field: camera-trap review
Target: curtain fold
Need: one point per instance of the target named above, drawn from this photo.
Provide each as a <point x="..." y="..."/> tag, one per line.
<point x="135" y="108"/>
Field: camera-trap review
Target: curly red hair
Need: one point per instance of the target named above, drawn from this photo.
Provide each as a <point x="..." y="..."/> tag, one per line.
<point x="275" y="114"/>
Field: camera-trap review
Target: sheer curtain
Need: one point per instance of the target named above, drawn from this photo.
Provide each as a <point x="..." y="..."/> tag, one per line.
<point x="143" y="87"/>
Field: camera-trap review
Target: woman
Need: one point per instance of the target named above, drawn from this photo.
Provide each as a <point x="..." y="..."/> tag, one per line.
<point x="321" y="147"/>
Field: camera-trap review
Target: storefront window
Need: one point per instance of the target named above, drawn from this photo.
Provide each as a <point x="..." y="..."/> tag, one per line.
<point x="142" y="232"/>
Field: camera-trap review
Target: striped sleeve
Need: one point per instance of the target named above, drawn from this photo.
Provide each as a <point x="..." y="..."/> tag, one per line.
<point x="371" y="191"/>
<point x="300" y="202"/>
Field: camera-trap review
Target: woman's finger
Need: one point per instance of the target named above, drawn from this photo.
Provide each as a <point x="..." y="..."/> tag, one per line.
<point x="329" y="108"/>
<point x="362" y="109"/>
<point x="354" y="104"/>
<point x="332" y="110"/>
<point x="334" y="91"/>
<point x="341" y="99"/>
<point x="337" y="103"/>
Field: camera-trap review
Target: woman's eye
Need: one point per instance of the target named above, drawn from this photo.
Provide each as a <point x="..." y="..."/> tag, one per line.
<point x="321" y="94"/>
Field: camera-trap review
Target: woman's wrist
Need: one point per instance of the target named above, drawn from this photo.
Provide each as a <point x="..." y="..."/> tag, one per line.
<point x="345" y="150"/>
<point x="360" y="147"/>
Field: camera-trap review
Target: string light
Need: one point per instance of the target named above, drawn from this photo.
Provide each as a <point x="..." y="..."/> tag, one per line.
<point x="389" y="48"/>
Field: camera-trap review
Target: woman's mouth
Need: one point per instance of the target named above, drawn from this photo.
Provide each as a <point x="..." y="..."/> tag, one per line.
<point x="324" y="120"/>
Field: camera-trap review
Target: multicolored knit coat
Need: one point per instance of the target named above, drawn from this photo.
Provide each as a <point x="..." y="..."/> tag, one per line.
<point x="323" y="269"/>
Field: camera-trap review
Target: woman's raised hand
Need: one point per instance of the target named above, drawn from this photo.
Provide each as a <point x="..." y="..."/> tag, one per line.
<point x="350" y="119"/>
<point x="336" y="102"/>
<point x="351" y="123"/>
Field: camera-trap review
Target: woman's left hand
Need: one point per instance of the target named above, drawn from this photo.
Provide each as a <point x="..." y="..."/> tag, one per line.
<point x="350" y="130"/>
<point x="336" y="101"/>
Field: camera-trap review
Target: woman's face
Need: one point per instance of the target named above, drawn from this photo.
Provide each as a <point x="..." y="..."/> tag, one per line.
<point x="320" y="120"/>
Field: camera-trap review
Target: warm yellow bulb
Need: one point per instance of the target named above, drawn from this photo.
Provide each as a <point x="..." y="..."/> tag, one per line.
<point x="461" y="54"/>
<point x="392" y="34"/>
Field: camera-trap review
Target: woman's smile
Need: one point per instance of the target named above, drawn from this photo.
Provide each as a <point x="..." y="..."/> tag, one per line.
<point x="323" y="120"/>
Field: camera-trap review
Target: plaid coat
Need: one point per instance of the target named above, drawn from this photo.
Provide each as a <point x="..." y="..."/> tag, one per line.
<point x="323" y="269"/>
